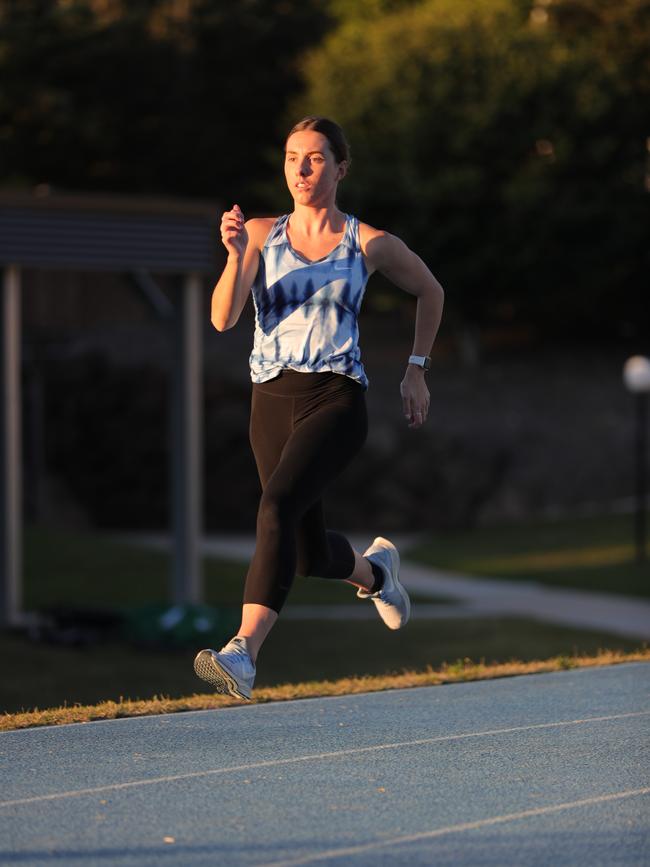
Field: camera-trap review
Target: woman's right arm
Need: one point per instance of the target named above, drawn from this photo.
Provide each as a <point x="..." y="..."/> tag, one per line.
<point x="243" y="241"/>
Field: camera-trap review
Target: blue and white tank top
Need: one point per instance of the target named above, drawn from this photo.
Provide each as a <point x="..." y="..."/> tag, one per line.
<point x="306" y="312"/>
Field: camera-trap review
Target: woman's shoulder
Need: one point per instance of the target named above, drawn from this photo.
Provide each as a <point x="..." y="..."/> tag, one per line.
<point x="369" y="233"/>
<point x="259" y="229"/>
<point x="375" y="243"/>
<point x="255" y="222"/>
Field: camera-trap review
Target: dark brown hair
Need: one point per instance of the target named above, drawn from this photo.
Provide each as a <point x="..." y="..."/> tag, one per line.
<point x="332" y="132"/>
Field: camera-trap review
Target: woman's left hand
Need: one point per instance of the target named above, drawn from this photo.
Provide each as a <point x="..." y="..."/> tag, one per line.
<point x="415" y="396"/>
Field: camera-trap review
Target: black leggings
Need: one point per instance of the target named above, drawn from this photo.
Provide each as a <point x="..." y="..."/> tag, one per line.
<point x="305" y="428"/>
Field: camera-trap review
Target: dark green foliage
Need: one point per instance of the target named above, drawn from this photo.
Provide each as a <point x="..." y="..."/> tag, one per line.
<point x="508" y="150"/>
<point x="505" y="140"/>
<point x="145" y="103"/>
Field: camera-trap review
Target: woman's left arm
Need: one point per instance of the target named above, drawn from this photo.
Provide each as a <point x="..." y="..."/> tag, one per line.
<point x="389" y="255"/>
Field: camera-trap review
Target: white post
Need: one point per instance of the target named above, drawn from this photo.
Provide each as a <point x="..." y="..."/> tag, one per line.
<point x="187" y="443"/>
<point x="11" y="460"/>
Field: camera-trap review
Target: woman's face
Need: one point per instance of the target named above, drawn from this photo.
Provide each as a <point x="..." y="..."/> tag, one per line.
<point x="311" y="169"/>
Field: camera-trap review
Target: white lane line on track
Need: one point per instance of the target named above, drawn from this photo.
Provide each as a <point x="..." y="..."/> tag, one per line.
<point x="110" y="787"/>
<point x="456" y="829"/>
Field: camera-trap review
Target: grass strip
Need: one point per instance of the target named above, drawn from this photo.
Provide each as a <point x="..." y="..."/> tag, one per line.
<point x="593" y="552"/>
<point x="93" y="570"/>
<point x="462" y="670"/>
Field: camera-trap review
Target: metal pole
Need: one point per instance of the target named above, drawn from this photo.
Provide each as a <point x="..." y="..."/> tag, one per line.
<point x="187" y="442"/>
<point x="641" y="474"/>
<point x="11" y="458"/>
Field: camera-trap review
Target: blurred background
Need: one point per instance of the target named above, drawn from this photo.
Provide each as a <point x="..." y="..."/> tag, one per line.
<point x="506" y="141"/>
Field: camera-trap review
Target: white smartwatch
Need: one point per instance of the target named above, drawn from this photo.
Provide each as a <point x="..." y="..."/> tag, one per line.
<point x="423" y="361"/>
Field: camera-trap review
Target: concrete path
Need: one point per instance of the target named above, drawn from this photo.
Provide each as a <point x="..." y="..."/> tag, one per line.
<point x="620" y="615"/>
<point x="548" y="769"/>
<point x="476" y="597"/>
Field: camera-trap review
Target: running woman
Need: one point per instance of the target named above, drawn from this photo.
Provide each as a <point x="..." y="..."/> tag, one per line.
<point x="307" y="271"/>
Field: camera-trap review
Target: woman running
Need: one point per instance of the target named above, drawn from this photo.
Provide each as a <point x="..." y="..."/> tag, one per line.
<point x="307" y="271"/>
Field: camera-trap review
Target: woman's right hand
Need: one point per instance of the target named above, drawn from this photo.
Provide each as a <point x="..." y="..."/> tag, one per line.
<point x="233" y="232"/>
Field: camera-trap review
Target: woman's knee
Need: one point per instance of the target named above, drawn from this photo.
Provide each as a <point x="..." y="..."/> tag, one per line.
<point x="274" y="511"/>
<point x="337" y="560"/>
<point x="312" y="565"/>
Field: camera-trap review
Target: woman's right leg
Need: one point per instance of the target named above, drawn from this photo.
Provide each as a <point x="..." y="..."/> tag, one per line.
<point x="269" y="428"/>
<point x="327" y="429"/>
<point x="256" y="623"/>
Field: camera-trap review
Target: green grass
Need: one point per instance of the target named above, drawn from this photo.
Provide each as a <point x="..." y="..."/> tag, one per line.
<point x="41" y="675"/>
<point x="92" y="570"/>
<point x="462" y="670"/>
<point x="590" y="553"/>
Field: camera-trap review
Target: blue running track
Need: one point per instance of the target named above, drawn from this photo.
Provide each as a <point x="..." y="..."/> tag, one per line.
<point x="546" y="769"/>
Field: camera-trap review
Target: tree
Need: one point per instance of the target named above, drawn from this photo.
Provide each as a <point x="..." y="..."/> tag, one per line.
<point x="507" y="146"/>
<point x="149" y="97"/>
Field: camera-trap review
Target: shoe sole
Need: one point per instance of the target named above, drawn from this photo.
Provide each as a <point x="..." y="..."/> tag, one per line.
<point x="387" y="545"/>
<point x="210" y="670"/>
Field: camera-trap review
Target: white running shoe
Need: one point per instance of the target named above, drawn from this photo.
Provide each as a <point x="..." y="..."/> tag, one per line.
<point x="391" y="601"/>
<point x="230" y="671"/>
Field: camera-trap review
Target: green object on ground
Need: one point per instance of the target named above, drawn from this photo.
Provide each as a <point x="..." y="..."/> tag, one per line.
<point x="180" y="625"/>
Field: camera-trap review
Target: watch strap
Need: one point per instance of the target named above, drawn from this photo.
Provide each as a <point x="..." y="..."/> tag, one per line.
<point x="423" y="361"/>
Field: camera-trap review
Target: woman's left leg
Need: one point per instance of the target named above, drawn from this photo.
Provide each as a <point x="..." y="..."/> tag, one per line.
<point x="324" y="553"/>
